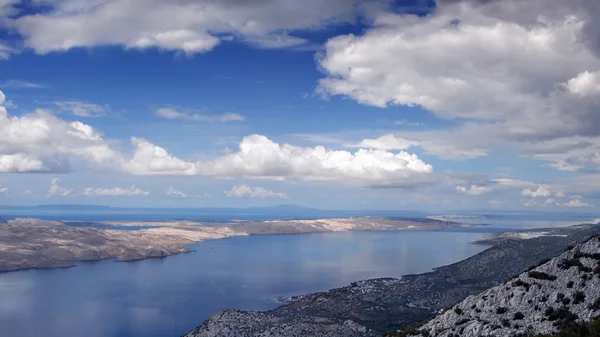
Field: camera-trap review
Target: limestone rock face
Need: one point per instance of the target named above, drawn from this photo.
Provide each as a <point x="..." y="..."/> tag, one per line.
<point x="231" y="323"/>
<point x="562" y="290"/>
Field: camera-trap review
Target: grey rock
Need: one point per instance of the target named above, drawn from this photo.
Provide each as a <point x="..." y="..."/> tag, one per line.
<point x="525" y="304"/>
<point x="382" y="305"/>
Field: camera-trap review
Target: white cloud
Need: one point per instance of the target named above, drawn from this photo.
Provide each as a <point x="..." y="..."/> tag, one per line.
<point x="172" y="192"/>
<point x="514" y="73"/>
<point x="58" y="191"/>
<point x="387" y="142"/>
<point x="20" y="84"/>
<point x="82" y="109"/>
<point x="575" y="202"/>
<point x="41" y="142"/>
<point x="260" y="157"/>
<point x="4" y="189"/>
<point x="474" y="189"/>
<point x="171" y="113"/>
<point x="585" y="83"/>
<point x="495" y="203"/>
<point x="180" y="25"/>
<point x="240" y="191"/>
<point x="541" y="191"/>
<point x="114" y="192"/>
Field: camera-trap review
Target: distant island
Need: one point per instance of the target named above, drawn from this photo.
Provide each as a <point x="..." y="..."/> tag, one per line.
<point x="34" y="243"/>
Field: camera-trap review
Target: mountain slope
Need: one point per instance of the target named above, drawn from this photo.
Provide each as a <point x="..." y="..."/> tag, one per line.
<point x="381" y="305"/>
<point x="543" y="300"/>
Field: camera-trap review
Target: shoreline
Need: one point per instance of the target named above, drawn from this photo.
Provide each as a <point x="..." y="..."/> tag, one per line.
<point x="40" y="244"/>
<point x="369" y="308"/>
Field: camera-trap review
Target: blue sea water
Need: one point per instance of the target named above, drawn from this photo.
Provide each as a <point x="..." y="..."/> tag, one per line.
<point x="170" y="296"/>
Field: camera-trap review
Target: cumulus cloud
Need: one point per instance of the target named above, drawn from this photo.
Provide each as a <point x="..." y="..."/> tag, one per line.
<point x="575" y="203"/>
<point x="260" y="157"/>
<point x="58" y="191"/>
<point x="515" y="73"/>
<point x="114" y="192"/>
<point x="541" y="191"/>
<point x="172" y="192"/>
<point x="387" y="142"/>
<point x="181" y="25"/>
<point x="241" y="191"/>
<point x="81" y="109"/>
<point x="171" y="113"/>
<point x="495" y="203"/>
<point x="474" y="189"/>
<point x="41" y="142"/>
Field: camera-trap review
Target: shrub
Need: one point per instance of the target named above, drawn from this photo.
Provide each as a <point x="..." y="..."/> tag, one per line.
<point x="458" y="311"/>
<point x="566" y="301"/>
<point x="501" y="310"/>
<point x="570" y="284"/>
<point x="574" y="329"/>
<point x="518" y="316"/>
<point x="575" y="262"/>
<point x="506" y="323"/>
<point x="596" y="305"/>
<point x="540" y="275"/>
<point x="578" y="297"/>
<point x="562" y="317"/>
<point x="521" y="283"/>
<point x="411" y="330"/>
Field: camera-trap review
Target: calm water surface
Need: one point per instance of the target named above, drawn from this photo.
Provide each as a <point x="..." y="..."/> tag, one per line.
<point x="168" y="297"/>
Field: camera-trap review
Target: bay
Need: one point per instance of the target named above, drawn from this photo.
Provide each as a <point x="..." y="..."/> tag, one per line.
<point x="170" y="296"/>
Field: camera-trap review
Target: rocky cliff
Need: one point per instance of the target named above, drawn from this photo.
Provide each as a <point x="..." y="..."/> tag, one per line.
<point x="545" y="299"/>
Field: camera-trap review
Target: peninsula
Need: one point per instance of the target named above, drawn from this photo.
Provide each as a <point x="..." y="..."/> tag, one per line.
<point x="34" y="243"/>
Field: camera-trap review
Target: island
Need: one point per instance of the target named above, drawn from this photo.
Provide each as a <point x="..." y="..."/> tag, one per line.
<point x="34" y="243"/>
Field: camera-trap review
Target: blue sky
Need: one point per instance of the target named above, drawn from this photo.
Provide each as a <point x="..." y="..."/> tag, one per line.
<point x="346" y="104"/>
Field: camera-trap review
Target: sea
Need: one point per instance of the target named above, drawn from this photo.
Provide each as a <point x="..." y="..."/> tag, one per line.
<point x="170" y="296"/>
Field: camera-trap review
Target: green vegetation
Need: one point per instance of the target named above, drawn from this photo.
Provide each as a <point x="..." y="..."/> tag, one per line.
<point x="591" y="329"/>
<point x="540" y="275"/>
<point x="501" y="310"/>
<point x="578" y="297"/>
<point x="521" y="283"/>
<point x="411" y="330"/>
<point x="575" y="262"/>
<point x="596" y="305"/>
<point x="518" y="316"/>
<point x="458" y="311"/>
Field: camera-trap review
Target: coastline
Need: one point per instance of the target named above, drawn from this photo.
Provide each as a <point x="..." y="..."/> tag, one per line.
<point x="36" y="244"/>
<point x="373" y="307"/>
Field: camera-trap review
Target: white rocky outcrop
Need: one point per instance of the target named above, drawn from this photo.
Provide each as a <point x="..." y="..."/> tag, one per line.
<point x="539" y="301"/>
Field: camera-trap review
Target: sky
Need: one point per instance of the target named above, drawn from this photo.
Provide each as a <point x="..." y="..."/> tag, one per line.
<point x="341" y="104"/>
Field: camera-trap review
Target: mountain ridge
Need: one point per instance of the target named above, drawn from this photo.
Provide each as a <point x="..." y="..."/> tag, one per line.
<point x="546" y="299"/>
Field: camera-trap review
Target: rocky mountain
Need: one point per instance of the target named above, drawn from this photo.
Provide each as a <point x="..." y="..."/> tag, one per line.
<point x="372" y="307"/>
<point x="546" y="299"/>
